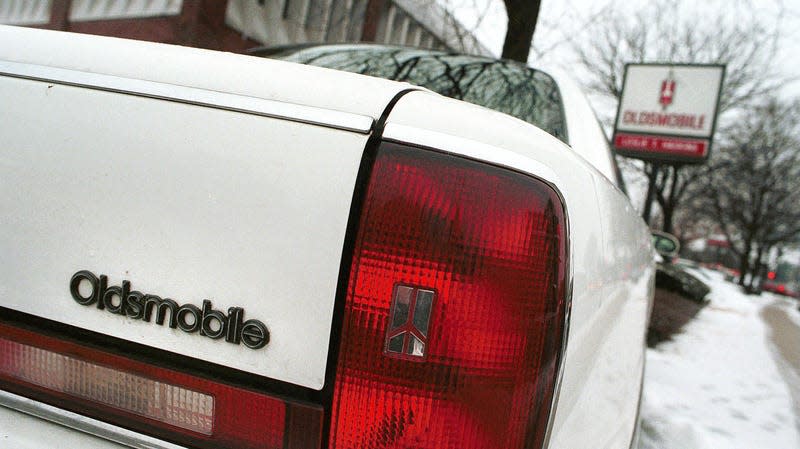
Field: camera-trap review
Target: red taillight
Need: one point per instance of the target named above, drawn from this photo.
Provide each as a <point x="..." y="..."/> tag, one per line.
<point x="484" y="249"/>
<point x="168" y="404"/>
<point x="771" y="275"/>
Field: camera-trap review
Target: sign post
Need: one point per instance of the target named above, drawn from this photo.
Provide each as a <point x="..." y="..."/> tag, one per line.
<point x="668" y="112"/>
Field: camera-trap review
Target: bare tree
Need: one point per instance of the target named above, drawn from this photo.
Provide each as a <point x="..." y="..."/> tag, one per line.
<point x="753" y="193"/>
<point x="664" y="31"/>
<point x="522" y="18"/>
<point x="729" y="33"/>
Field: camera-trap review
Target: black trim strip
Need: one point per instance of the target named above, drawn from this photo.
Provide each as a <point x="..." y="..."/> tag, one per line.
<point x="356" y="205"/>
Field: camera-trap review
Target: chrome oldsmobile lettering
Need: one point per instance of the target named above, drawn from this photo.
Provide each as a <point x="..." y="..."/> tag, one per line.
<point x="121" y="300"/>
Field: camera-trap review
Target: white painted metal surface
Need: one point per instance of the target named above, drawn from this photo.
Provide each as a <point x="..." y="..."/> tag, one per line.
<point x="189" y="95"/>
<point x="202" y="69"/>
<point x="25" y="423"/>
<point x="268" y="198"/>
<point x="255" y="217"/>
<point x="21" y="431"/>
<point x="611" y="260"/>
<point x="586" y="137"/>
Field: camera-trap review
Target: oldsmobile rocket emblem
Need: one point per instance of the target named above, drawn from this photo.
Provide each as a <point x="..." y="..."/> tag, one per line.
<point x="409" y="322"/>
<point x="667" y="91"/>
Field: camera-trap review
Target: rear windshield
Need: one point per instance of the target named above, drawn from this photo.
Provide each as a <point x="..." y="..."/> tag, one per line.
<point x="504" y="86"/>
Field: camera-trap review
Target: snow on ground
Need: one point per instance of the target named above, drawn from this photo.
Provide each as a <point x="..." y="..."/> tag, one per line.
<point x="722" y="383"/>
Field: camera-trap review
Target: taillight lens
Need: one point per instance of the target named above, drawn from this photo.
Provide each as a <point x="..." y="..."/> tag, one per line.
<point x="481" y="252"/>
<point x="168" y="404"/>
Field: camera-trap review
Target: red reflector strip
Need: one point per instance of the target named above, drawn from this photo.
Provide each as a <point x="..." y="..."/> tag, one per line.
<point x="167" y="403"/>
<point x="161" y="402"/>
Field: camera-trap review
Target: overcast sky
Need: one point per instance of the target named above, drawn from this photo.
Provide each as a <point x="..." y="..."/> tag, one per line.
<point x="560" y="18"/>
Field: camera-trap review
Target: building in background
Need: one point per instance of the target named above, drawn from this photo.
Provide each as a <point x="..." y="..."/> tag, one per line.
<point x="239" y="25"/>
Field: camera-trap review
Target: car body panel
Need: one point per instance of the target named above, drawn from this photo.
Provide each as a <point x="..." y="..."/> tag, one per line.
<point x="22" y="431"/>
<point x="52" y="233"/>
<point x="236" y="227"/>
<point x="586" y="137"/>
<point x="26" y="423"/>
<point x="258" y="205"/>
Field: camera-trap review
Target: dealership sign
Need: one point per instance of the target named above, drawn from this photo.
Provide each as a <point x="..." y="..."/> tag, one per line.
<point x="667" y="113"/>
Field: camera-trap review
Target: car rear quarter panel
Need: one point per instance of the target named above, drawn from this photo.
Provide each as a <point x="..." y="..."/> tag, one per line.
<point x="611" y="261"/>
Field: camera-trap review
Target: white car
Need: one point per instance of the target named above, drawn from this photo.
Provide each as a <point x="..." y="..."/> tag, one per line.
<point x="208" y="250"/>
